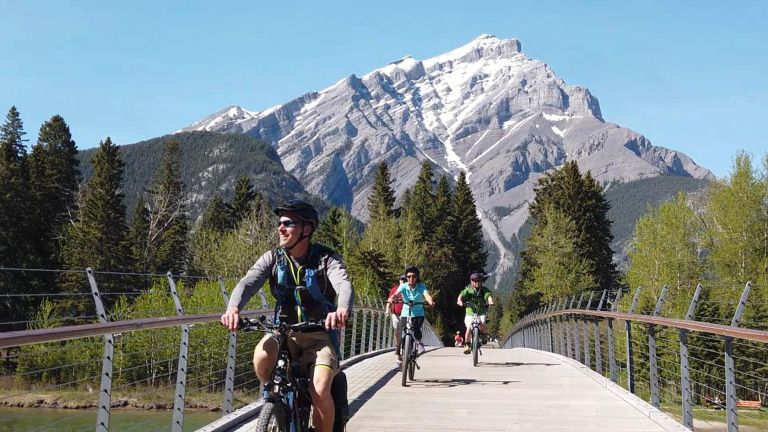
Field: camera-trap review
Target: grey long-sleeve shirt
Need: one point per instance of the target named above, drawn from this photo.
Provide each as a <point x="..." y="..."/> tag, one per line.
<point x="329" y="263"/>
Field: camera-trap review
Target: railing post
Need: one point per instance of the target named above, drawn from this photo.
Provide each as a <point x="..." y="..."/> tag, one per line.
<point x="363" y="331"/>
<point x="105" y="390"/>
<point x="630" y="361"/>
<point x="576" y="335"/>
<point x="685" y="371"/>
<point x="560" y="321"/>
<point x="611" y="344"/>
<point x="598" y="353"/>
<point x="181" y="371"/>
<point x="371" y="332"/>
<point x="586" y="332"/>
<point x="229" y="379"/>
<point x="654" y="363"/>
<point x="380" y="332"/>
<point x="353" y="339"/>
<point x="567" y="318"/>
<point x="730" y="374"/>
<point x="549" y="329"/>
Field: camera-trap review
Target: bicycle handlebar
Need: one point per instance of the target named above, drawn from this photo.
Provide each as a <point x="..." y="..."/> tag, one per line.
<point x="248" y="324"/>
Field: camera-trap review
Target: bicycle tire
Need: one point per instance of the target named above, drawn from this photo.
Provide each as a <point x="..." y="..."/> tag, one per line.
<point x="272" y="418"/>
<point x="412" y="366"/>
<point x="475" y="345"/>
<point x="407" y="354"/>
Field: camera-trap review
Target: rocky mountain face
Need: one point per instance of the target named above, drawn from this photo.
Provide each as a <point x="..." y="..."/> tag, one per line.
<point x="485" y="108"/>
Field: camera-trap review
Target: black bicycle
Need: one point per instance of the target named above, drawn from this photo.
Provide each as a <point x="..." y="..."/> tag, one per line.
<point x="287" y="402"/>
<point x="408" y="347"/>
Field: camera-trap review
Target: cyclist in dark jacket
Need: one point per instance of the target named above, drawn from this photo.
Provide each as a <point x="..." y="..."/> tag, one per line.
<point x="304" y="279"/>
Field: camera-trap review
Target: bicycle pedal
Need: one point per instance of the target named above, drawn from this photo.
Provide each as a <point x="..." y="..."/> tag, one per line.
<point x="417" y="366"/>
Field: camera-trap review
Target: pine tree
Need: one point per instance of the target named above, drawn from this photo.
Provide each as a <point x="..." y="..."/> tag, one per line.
<point x="217" y="216"/>
<point x="245" y="197"/>
<point x="138" y="236"/>
<point x="15" y="214"/>
<point x="97" y="237"/>
<point x="423" y="199"/>
<point x="470" y="248"/>
<point x="382" y="200"/>
<point x="168" y="227"/>
<point x="581" y="199"/>
<point x="561" y="270"/>
<point x="54" y="177"/>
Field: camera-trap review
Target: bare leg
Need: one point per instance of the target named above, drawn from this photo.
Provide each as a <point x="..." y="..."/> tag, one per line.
<point x="323" y="414"/>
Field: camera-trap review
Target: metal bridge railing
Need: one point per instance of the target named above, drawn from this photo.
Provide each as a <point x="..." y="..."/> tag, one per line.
<point x="702" y="365"/>
<point x="172" y="354"/>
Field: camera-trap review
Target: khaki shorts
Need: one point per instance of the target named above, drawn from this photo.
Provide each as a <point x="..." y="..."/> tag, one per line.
<point x="311" y="349"/>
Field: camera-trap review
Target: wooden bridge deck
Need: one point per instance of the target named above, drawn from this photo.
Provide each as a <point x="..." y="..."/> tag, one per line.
<point x="511" y="390"/>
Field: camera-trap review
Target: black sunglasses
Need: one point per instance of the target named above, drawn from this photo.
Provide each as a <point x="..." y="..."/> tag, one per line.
<point x="412" y="276"/>
<point x="287" y="223"/>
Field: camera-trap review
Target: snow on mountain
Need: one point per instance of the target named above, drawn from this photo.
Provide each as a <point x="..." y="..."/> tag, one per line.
<point x="485" y="108"/>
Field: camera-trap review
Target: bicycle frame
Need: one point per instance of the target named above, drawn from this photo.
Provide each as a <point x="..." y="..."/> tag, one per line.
<point x="287" y="388"/>
<point x="408" y="349"/>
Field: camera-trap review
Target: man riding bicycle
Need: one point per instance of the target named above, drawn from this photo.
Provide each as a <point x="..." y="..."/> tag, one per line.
<point x="476" y="296"/>
<point x="304" y="279"/>
<point x="413" y="291"/>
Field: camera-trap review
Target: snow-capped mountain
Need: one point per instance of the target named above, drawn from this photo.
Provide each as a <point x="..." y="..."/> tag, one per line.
<point x="485" y="108"/>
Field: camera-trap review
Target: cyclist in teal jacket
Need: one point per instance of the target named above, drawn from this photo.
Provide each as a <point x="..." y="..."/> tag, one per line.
<point x="414" y="290"/>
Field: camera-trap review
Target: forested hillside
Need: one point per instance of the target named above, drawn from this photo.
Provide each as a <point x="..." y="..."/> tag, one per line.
<point x="631" y="200"/>
<point x="210" y="163"/>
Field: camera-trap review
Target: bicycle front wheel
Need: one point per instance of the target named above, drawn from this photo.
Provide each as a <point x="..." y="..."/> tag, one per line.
<point x="272" y="418"/>
<point x="475" y="345"/>
<point x="407" y="354"/>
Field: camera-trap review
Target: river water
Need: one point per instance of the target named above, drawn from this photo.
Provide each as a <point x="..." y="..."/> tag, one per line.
<point x="71" y="420"/>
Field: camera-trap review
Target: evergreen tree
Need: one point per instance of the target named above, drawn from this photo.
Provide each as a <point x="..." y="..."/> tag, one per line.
<point x="423" y="197"/>
<point x="382" y="199"/>
<point x="470" y="248"/>
<point x="138" y="236"/>
<point x="54" y="177"/>
<point x="97" y="237"/>
<point x="245" y="197"/>
<point x="560" y="269"/>
<point x="218" y="216"/>
<point x="168" y="226"/>
<point x="381" y="233"/>
<point x="581" y="199"/>
<point x="15" y="215"/>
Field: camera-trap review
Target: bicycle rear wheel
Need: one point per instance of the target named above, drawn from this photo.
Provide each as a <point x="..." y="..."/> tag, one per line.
<point x="272" y="418"/>
<point x="475" y="345"/>
<point x="407" y="354"/>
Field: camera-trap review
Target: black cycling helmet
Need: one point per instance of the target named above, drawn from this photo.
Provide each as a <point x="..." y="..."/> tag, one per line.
<point x="403" y="278"/>
<point x="412" y="269"/>
<point x="304" y="210"/>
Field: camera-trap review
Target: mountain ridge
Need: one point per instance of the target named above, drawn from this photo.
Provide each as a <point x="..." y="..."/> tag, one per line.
<point x="485" y="108"/>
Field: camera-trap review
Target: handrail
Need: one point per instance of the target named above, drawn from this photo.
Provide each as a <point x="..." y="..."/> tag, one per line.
<point x="55" y="334"/>
<point x="697" y="326"/>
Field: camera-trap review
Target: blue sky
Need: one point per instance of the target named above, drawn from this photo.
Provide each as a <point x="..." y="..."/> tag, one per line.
<point x="689" y="75"/>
